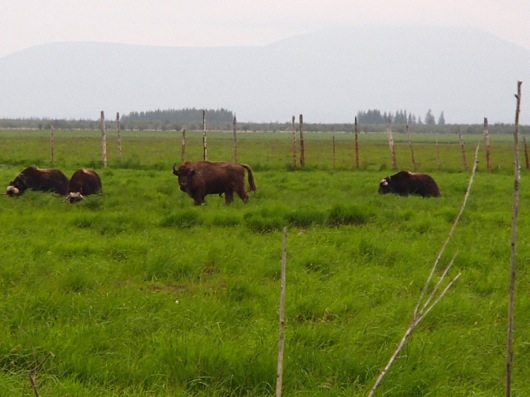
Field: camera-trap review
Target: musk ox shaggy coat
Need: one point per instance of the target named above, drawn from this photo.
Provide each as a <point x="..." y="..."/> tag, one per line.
<point x="40" y="179"/>
<point x="83" y="182"/>
<point x="405" y="183"/>
<point x="201" y="178"/>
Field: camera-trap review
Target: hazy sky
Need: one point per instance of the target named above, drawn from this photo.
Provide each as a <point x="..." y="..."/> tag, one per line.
<point x="26" y="23"/>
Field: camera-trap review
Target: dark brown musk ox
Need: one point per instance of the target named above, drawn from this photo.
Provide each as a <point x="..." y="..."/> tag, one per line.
<point x="200" y="178"/>
<point x="40" y="179"/>
<point x="83" y="182"/>
<point x="405" y="183"/>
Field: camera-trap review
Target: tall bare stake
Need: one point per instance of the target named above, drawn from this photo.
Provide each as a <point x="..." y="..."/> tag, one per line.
<point x="234" y="125"/>
<point x="118" y="128"/>
<point x="462" y="148"/>
<point x="527" y="160"/>
<point x="281" y="340"/>
<point x="294" y="142"/>
<point x="428" y="300"/>
<point x="302" y="150"/>
<point x="391" y="144"/>
<point x="515" y="211"/>
<point x="204" y="145"/>
<point x="103" y="139"/>
<point x="356" y="144"/>
<point x="183" y="146"/>
<point x="487" y="143"/>
<point x="413" y="159"/>
<point x="52" y="142"/>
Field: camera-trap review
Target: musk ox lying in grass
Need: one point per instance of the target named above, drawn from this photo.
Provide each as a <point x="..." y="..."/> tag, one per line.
<point x="40" y="179"/>
<point x="201" y="178"/>
<point x="405" y="183"/>
<point x="83" y="182"/>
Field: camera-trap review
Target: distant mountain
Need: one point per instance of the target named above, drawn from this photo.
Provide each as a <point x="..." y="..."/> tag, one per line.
<point x="328" y="76"/>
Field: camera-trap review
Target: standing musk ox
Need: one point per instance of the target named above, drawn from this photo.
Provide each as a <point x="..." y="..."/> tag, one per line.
<point x="83" y="182"/>
<point x="405" y="183"/>
<point x="201" y="178"/>
<point x="41" y="179"/>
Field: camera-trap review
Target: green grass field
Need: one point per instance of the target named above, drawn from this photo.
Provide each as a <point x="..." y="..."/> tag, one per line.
<point x="137" y="292"/>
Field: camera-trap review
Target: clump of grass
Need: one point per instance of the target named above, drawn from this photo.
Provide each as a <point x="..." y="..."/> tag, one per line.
<point x="182" y="220"/>
<point x="348" y="215"/>
<point x="306" y="217"/>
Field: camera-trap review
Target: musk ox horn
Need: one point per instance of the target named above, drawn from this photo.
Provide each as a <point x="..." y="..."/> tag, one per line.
<point x="174" y="169"/>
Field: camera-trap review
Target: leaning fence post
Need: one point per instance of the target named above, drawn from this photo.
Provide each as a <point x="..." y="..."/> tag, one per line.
<point x="527" y="160"/>
<point x="103" y="139"/>
<point x="234" y="124"/>
<point x="411" y="149"/>
<point x="334" y="152"/>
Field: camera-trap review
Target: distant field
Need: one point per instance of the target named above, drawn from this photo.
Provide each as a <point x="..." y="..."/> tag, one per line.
<point x="138" y="292"/>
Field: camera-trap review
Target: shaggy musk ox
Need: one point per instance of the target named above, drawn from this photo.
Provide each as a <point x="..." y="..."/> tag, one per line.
<point x="44" y="180"/>
<point x="405" y="183"/>
<point x="201" y="178"/>
<point x="83" y="183"/>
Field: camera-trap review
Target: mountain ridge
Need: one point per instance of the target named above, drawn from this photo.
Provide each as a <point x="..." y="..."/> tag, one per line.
<point x="327" y="75"/>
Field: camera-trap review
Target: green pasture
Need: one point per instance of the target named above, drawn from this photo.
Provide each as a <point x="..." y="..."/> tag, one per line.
<point x="139" y="293"/>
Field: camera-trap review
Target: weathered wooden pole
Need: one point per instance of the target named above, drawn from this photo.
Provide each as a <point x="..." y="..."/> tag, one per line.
<point x="462" y="148"/>
<point x="527" y="160"/>
<point x="294" y="142"/>
<point x="204" y="145"/>
<point x="118" y="129"/>
<point x="487" y="144"/>
<point x="103" y="139"/>
<point x="391" y="144"/>
<point x="183" y="146"/>
<point x="515" y="211"/>
<point x="412" y="157"/>
<point x="281" y="339"/>
<point x="334" y="151"/>
<point x="234" y="125"/>
<point x="438" y="163"/>
<point x="302" y="151"/>
<point x="356" y="131"/>
<point x="52" y="142"/>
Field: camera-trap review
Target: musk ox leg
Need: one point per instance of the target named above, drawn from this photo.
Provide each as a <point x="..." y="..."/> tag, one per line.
<point x="229" y="196"/>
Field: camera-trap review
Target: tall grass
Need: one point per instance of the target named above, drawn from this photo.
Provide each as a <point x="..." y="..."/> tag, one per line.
<point x="137" y="292"/>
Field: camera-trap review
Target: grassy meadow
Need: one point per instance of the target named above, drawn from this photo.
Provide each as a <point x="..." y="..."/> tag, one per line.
<point x="137" y="292"/>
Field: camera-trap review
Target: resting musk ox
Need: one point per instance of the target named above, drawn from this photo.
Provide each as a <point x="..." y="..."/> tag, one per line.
<point x="83" y="183"/>
<point x="45" y="180"/>
<point x="201" y="178"/>
<point x="405" y="183"/>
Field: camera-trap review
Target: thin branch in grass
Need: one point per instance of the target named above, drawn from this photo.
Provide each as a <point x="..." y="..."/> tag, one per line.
<point x="515" y="211"/>
<point x="34" y="372"/>
<point x="424" y="305"/>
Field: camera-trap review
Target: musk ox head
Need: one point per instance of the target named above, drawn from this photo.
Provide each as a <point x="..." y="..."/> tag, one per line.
<point x="74" y="197"/>
<point x="384" y="186"/>
<point x="184" y="174"/>
<point x="17" y="186"/>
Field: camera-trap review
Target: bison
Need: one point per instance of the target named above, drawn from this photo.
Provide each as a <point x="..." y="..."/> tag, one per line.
<point x="40" y="179"/>
<point x="405" y="183"/>
<point x="83" y="183"/>
<point x="201" y="178"/>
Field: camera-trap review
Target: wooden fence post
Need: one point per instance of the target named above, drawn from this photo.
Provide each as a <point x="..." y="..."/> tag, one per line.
<point x="302" y="152"/>
<point x="438" y="164"/>
<point x="281" y="338"/>
<point x="391" y="144"/>
<point x="294" y="143"/>
<point x="462" y="148"/>
<point x="103" y="139"/>
<point x="234" y="125"/>
<point x="52" y="142"/>
<point x="334" y="152"/>
<point x="204" y="145"/>
<point x="183" y="146"/>
<point x="118" y="128"/>
<point x="487" y="144"/>
<point x="413" y="159"/>
<point x="527" y="160"/>
<point x="356" y="131"/>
